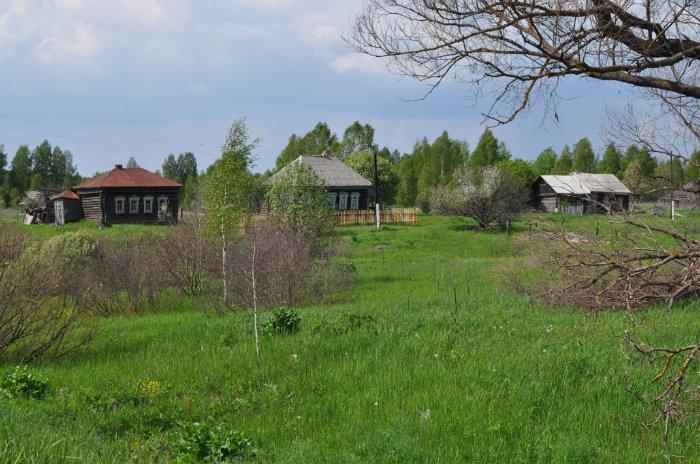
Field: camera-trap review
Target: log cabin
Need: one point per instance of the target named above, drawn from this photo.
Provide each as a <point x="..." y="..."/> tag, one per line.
<point x="129" y="195"/>
<point x="347" y="189"/>
<point x="581" y="193"/>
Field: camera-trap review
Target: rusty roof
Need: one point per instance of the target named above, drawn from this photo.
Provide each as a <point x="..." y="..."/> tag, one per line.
<point x="120" y="177"/>
<point x="66" y="194"/>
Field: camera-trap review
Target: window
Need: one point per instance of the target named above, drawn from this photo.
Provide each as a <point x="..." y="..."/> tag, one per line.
<point x="355" y="201"/>
<point x="331" y="199"/>
<point x="119" y="205"/>
<point x="343" y="204"/>
<point x="162" y="203"/>
<point x="148" y="205"/>
<point x="134" y="205"/>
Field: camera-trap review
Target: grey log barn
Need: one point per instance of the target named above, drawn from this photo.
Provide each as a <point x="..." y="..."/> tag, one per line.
<point x="66" y="207"/>
<point x="347" y="190"/>
<point x="581" y="193"/>
<point x="128" y="195"/>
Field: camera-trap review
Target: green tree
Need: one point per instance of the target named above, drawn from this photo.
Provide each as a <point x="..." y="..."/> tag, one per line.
<point x="584" y="157"/>
<point x="692" y="169"/>
<point x="36" y="183"/>
<point x="170" y="168"/>
<point x="131" y="163"/>
<point x="487" y="152"/>
<point x="299" y="199"/>
<point x="42" y="165"/>
<point x="407" y="189"/>
<point x="3" y="161"/>
<point x="545" y="162"/>
<point x="225" y="193"/>
<point x="519" y="169"/>
<point x="186" y="166"/>
<point x="21" y="170"/>
<point x="314" y="142"/>
<point x="565" y="163"/>
<point x="363" y="163"/>
<point x="57" y="176"/>
<point x="357" y="137"/>
<point x="612" y="161"/>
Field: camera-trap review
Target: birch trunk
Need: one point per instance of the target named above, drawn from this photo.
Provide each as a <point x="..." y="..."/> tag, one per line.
<point x="255" y="299"/>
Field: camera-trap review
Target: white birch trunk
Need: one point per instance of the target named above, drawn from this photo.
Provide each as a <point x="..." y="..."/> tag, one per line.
<point x="255" y="298"/>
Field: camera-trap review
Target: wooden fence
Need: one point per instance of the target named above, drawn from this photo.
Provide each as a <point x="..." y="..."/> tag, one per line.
<point x="393" y="215"/>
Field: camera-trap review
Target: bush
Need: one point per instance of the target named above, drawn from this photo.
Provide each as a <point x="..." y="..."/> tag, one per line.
<point x="201" y="443"/>
<point x="283" y="321"/>
<point x="441" y="200"/>
<point x="346" y="323"/>
<point x="69" y="249"/>
<point x="21" y="383"/>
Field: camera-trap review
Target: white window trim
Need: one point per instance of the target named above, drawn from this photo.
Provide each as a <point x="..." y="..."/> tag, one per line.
<point x="148" y="205"/>
<point x="131" y="199"/>
<point x="343" y="202"/>
<point x="117" y="201"/>
<point x="355" y="201"/>
<point x="332" y="198"/>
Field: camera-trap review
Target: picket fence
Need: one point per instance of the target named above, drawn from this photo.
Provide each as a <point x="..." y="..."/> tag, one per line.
<point x="393" y="215"/>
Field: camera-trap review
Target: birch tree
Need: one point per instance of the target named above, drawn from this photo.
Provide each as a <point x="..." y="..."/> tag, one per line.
<point x="225" y="193"/>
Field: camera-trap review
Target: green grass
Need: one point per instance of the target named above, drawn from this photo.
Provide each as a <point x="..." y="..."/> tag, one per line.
<point x="504" y="379"/>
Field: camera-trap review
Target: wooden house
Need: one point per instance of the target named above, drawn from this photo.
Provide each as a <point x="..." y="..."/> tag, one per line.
<point x="347" y="190"/>
<point x="128" y="195"/>
<point x="66" y="207"/>
<point x="581" y="193"/>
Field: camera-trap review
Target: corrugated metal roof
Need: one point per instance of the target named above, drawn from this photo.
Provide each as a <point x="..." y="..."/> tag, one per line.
<point x="331" y="170"/>
<point x="581" y="183"/>
<point x="66" y="194"/>
<point x="129" y="177"/>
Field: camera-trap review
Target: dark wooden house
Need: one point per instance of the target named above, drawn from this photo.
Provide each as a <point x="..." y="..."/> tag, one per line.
<point x="128" y="195"/>
<point x="581" y="193"/>
<point x="66" y="207"/>
<point x="347" y="190"/>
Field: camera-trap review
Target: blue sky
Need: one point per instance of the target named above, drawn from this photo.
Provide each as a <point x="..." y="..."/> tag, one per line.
<point x="150" y="77"/>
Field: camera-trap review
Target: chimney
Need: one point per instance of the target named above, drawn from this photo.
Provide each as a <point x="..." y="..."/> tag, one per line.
<point x="118" y="166"/>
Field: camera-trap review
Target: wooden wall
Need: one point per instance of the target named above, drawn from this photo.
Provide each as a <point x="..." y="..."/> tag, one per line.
<point x="91" y="204"/>
<point x="545" y="197"/>
<point x="141" y="217"/>
<point x="363" y="191"/>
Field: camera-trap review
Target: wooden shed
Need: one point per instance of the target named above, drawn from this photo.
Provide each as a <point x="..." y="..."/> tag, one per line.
<point x="66" y="207"/>
<point x="581" y="193"/>
<point x="129" y="195"/>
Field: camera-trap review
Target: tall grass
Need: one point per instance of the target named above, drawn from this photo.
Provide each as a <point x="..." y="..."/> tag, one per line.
<point x="394" y="373"/>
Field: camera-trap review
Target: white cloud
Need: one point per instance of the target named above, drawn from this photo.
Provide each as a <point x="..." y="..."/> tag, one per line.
<point x="81" y="44"/>
<point x="358" y="63"/>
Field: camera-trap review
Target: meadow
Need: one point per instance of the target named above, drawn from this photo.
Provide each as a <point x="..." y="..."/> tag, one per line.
<point x="428" y="358"/>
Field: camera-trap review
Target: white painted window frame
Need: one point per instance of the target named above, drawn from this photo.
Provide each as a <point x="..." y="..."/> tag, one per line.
<point x="332" y="199"/>
<point x="148" y="205"/>
<point x="355" y="201"/>
<point x="119" y="201"/>
<point x="343" y="201"/>
<point x="131" y="201"/>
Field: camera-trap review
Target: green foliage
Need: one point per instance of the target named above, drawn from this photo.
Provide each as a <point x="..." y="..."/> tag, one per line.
<point x="488" y="152"/>
<point x="565" y="162"/>
<point x="346" y="323"/>
<point x="202" y="443"/>
<point x="357" y="138"/>
<point x="170" y="169"/>
<point x="285" y="321"/>
<point x="692" y="169"/>
<point x="520" y="170"/>
<point x="314" y="142"/>
<point x="363" y="163"/>
<point x="21" y="383"/>
<point x="21" y="171"/>
<point x="584" y="157"/>
<point x="132" y="163"/>
<point x="611" y="162"/>
<point x="299" y="199"/>
<point x="69" y="249"/>
<point x="225" y="193"/>
<point x="545" y="162"/>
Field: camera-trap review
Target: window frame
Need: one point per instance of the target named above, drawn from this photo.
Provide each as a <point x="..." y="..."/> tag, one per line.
<point x="131" y="202"/>
<point x="162" y="199"/>
<point x="332" y="197"/>
<point x="343" y="201"/>
<point x="120" y="200"/>
<point x="355" y="201"/>
<point x="148" y="201"/>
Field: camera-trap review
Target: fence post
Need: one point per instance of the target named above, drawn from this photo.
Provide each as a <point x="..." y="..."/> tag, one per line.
<point x="379" y="220"/>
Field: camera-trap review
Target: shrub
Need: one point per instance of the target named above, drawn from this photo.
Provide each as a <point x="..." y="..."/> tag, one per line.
<point x="69" y="249"/>
<point x="441" y="200"/>
<point x="346" y="323"/>
<point x="283" y="321"/>
<point x="21" y="383"/>
<point x="201" y="443"/>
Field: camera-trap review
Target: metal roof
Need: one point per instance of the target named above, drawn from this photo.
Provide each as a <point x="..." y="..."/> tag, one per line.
<point x="331" y="170"/>
<point x="66" y="194"/>
<point x="120" y="177"/>
<point x="581" y="183"/>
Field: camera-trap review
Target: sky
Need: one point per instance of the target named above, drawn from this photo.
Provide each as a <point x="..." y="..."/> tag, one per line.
<point x="144" y="78"/>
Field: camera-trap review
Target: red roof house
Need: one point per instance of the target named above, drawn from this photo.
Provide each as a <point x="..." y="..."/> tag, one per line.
<point x="129" y="195"/>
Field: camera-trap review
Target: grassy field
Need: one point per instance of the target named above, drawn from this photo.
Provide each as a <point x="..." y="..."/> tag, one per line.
<point x="393" y="374"/>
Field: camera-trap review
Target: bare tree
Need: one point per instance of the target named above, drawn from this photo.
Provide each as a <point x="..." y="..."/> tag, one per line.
<point x="520" y="49"/>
